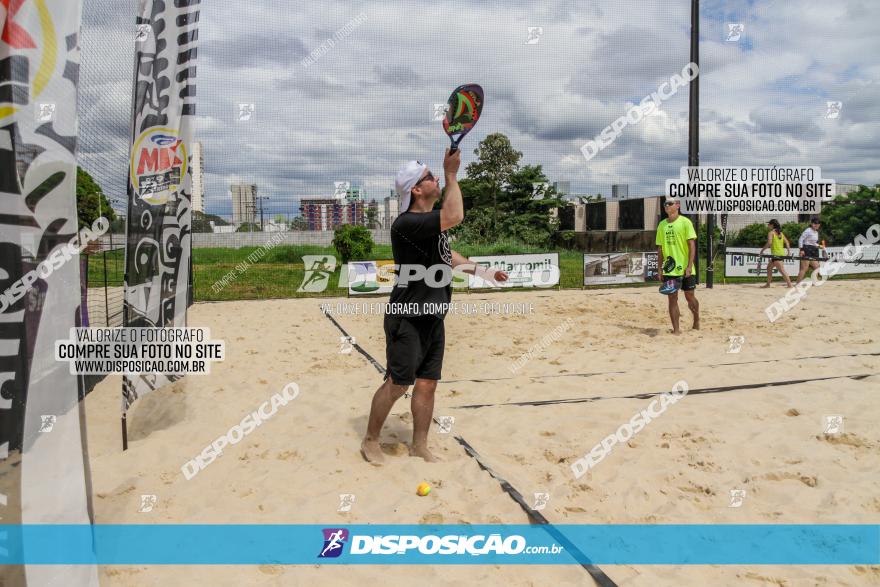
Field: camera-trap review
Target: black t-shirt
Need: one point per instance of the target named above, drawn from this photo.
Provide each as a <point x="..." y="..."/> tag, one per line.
<point x="416" y="239"/>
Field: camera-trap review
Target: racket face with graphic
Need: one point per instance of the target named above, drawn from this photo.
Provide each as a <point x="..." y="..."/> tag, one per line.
<point x="465" y="108"/>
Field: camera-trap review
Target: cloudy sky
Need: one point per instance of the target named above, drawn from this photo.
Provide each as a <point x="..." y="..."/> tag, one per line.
<point x="364" y="106"/>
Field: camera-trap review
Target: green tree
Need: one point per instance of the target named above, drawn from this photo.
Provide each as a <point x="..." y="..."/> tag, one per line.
<point x="280" y="220"/>
<point x="526" y="216"/>
<point x="299" y="223"/>
<point x="90" y="200"/>
<point x="752" y="235"/>
<point x="201" y="222"/>
<point x="755" y="235"/>
<point x="372" y="214"/>
<point x="249" y="227"/>
<point x="496" y="162"/>
<point x="792" y="231"/>
<point x="848" y="216"/>
<point x="501" y="200"/>
<point x="352" y="242"/>
<point x="518" y="212"/>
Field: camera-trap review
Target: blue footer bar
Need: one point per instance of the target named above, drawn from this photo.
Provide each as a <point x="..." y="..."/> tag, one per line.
<point x="761" y="544"/>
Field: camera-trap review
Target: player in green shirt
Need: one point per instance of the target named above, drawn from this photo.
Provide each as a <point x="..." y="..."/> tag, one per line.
<point x="677" y="249"/>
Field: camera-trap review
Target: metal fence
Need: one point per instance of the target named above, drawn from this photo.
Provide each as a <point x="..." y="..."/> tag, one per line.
<point x="103" y="266"/>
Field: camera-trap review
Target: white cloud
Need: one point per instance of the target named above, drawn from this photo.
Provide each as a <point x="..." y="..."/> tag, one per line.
<point x="363" y="108"/>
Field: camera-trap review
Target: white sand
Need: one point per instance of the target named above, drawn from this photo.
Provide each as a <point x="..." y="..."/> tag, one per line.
<point x="679" y="469"/>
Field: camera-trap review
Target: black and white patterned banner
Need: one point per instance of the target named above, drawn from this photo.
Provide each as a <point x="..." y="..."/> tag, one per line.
<point x="43" y="456"/>
<point x="158" y="247"/>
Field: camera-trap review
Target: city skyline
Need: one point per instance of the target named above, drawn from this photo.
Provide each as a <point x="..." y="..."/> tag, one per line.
<point x="764" y="98"/>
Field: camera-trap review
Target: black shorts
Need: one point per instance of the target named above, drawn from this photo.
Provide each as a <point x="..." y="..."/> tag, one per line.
<point x="774" y="258"/>
<point x="811" y="251"/>
<point x="413" y="348"/>
<point x="689" y="283"/>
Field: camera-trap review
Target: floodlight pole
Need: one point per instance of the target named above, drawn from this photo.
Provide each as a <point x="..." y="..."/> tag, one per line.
<point x="694" y="139"/>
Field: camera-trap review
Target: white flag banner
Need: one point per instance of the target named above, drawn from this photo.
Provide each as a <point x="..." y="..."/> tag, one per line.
<point x="159" y="232"/>
<point x="43" y="454"/>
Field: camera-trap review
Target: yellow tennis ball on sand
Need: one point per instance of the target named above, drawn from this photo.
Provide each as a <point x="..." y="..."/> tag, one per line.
<point x="423" y="489"/>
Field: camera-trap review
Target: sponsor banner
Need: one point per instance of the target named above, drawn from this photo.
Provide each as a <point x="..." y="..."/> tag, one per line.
<point x="610" y="268"/>
<point x="622" y="544"/>
<point x="370" y="277"/>
<point x="743" y="261"/>
<point x="532" y="270"/>
<point x="158" y="248"/>
<point x="43" y="455"/>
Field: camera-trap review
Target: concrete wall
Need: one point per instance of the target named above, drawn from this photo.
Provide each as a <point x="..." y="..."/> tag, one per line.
<point x="295" y="237"/>
<point x="612" y="213"/>
<point x="652" y="213"/>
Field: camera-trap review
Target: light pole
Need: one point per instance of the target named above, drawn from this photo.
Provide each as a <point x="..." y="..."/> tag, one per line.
<point x="261" y="198"/>
<point x="694" y="140"/>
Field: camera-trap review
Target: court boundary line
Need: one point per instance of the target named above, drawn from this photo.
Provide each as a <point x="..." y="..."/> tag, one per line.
<point x="553" y="375"/>
<point x="649" y="395"/>
<point x="597" y="574"/>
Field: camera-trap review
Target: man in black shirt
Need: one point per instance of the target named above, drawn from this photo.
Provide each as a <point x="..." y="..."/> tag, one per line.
<point x="414" y="327"/>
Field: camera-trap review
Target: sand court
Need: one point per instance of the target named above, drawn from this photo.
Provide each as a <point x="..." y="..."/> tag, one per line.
<point x="755" y="423"/>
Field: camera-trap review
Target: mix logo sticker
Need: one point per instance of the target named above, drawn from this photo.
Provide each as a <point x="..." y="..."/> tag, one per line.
<point x="158" y="165"/>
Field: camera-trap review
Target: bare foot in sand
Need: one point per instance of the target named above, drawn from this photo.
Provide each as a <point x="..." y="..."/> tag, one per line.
<point x="372" y="452"/>
<point x="422" y="451"/>
<point x="697" y="324"/>
<point x="765" y="285"/>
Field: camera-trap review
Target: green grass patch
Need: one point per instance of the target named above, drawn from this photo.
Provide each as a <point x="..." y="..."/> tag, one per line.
<point x="280" y="271"/>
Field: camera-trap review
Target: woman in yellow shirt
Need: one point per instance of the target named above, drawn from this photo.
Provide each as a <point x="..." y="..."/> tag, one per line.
<point x="779" y="249"/>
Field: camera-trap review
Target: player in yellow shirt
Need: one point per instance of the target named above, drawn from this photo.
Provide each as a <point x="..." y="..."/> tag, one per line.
<point x="779" y="249"/>
<point x="677" y="249"/>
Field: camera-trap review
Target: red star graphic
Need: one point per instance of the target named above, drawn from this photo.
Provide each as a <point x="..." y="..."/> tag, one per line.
<point x="14" y="35"/>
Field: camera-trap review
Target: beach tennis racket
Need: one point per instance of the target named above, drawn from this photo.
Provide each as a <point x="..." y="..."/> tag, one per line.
<point x="465" y="107"/>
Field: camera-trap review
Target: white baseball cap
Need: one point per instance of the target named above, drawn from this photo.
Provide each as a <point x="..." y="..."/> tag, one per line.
<point x="406" y="180"/>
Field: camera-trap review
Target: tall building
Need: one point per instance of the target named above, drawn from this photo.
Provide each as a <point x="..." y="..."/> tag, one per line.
<point x="562" y="187"/>
<point x="619" y="191"/>
<point x="198" y="186"/>
<point x="243" y="203"/>
<point x="390" y="210"/>
<point x="323" y="213"/>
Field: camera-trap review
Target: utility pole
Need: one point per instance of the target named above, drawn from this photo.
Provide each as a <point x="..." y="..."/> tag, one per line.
<point x="261" y="198"/>
<point x="694" y="136"/>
